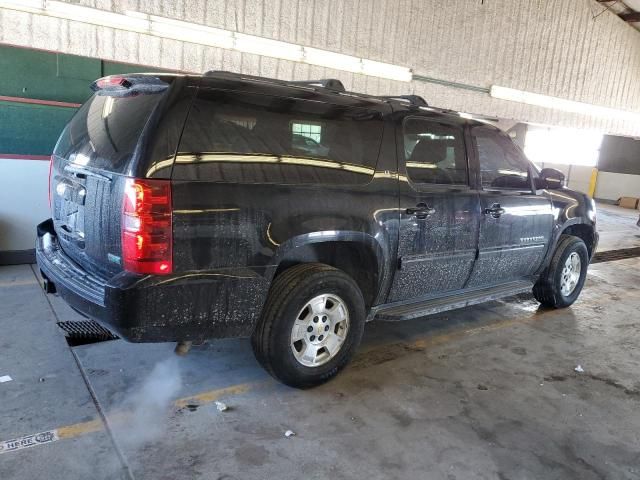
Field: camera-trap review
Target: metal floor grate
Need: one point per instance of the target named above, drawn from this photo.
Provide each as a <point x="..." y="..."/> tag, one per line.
<point x="611" y="255"/>
<point x="85" y="332"/>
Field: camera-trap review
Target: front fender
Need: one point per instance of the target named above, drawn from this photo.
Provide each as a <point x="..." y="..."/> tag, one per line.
<point x="570" y="208"/>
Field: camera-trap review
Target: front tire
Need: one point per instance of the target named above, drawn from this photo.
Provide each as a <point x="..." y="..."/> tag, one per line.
<point x="311" y="325"/>
<point x="561" y="283"/>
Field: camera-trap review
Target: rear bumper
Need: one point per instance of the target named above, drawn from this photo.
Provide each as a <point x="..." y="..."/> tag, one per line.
<point x="81" y="291"/>
<point x="193" y="306"/>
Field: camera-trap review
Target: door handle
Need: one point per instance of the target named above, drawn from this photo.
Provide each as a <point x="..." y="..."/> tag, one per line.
<point x="495" y="210"/>
<point x="421" y="211"/>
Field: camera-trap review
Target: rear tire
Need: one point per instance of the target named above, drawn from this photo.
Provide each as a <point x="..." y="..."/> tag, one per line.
<point x="311" y="325"/>
<point x="562" y="281"/>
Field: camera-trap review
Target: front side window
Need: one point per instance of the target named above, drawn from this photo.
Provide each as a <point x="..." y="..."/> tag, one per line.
<point x="502" y="165"/>
<point x="434" y="152"/>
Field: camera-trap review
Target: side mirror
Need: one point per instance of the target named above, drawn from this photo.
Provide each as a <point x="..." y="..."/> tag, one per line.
<point x="551" y="178"/>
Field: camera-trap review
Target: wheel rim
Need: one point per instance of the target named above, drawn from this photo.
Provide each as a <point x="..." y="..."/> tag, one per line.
<point x="570" y="274"/>
<point x="319" y="330"/>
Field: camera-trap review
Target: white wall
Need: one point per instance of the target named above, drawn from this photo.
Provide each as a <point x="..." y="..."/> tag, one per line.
<point x="612" y="186"/>
<point x="579" y="178"/>
<point x="553" y="47"/>
<point x="23" y="201"/>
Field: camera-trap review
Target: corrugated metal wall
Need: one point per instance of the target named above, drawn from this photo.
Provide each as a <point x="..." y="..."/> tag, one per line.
<point x="554" y="47"/>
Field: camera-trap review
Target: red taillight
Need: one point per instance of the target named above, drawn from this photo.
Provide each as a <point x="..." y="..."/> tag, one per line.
<point x="50" y="172"/>
<point x="111" y="82"/>
<point x="146" y="227"/>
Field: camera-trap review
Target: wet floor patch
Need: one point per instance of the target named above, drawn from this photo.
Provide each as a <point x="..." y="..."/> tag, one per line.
<point x="612" y="255"/>
<point x="598" y="378"/>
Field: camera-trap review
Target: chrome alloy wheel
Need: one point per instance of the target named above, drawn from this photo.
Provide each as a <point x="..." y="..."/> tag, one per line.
<point x="570" y="274"/>
<point x="320" y="329"/>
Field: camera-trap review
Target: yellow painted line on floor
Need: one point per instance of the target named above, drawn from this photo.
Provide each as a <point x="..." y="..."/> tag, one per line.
<point x="213" y="395"/>
<point x="432" y="341"/>
<point x="84" y="428"/>
<point x="91" y="426"/>
<point x="449" y="337"/>
<point x="96" y="425"/>
<point x="78" y="429"/>
<point x="210" y="396"/>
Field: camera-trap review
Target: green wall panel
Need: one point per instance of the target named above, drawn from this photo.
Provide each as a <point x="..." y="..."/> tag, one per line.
<point x="31" y="129"/>
<point x="112" y="68"/>
<point x="45" y="75"/>
<point x="27" y="129"/>
<point x="78" y="68"/>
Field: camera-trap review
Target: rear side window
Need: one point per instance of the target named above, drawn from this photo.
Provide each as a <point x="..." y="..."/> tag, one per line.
<point x="248" y="138"/>
<point x="434" y="152"/>
<point x="502" y="164"/>
<point x="104" y="133"/>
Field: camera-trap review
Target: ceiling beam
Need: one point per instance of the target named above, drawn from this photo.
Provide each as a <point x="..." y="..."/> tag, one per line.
<point x="631" y="17"/>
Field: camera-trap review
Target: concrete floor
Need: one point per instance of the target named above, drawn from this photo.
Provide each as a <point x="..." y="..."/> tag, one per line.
<point x="488" y="392"/>
<point x="617" y="227"/>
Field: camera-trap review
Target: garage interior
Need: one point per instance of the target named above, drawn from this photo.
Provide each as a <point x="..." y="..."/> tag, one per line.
<point x="504" y="390"/>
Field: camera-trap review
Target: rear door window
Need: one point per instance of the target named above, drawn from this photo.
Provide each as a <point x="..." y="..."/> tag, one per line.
<point x="240" y="137"/>
<point x="434" y="152"/>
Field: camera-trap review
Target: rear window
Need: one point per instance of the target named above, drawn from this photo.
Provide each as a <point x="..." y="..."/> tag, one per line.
<point x="105" y="131"/>
<point x="239" y="137"/>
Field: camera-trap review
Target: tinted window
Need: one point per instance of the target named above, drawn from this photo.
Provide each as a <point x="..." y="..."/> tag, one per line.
<point x="239" y="137"/>
<point x="502" y="164"/>
<point x="105" y="131"/>
<point x="434" y="152"/>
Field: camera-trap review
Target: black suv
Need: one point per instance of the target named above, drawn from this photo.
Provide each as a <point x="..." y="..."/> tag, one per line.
<point x="190" y="207"/>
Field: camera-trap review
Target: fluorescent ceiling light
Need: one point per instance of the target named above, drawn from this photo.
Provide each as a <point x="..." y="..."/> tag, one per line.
<point x="268" y="47"/>
<point x="339" y="61"/>
<point x="164" y="27"/>
<point x="95" y="17"/>
<point x="386" y="70"/>
<point x="23" y="5"/>
<point x="190" y="32"/>
<point x="562" y="104"/>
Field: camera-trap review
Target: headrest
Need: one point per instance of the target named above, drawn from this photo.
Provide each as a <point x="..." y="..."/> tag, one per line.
<point x="429" y="151"/>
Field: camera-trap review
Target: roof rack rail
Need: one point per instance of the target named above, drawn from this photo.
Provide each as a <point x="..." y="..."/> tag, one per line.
<point x="416" y="100"/>
<point x="328" y="83"/>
